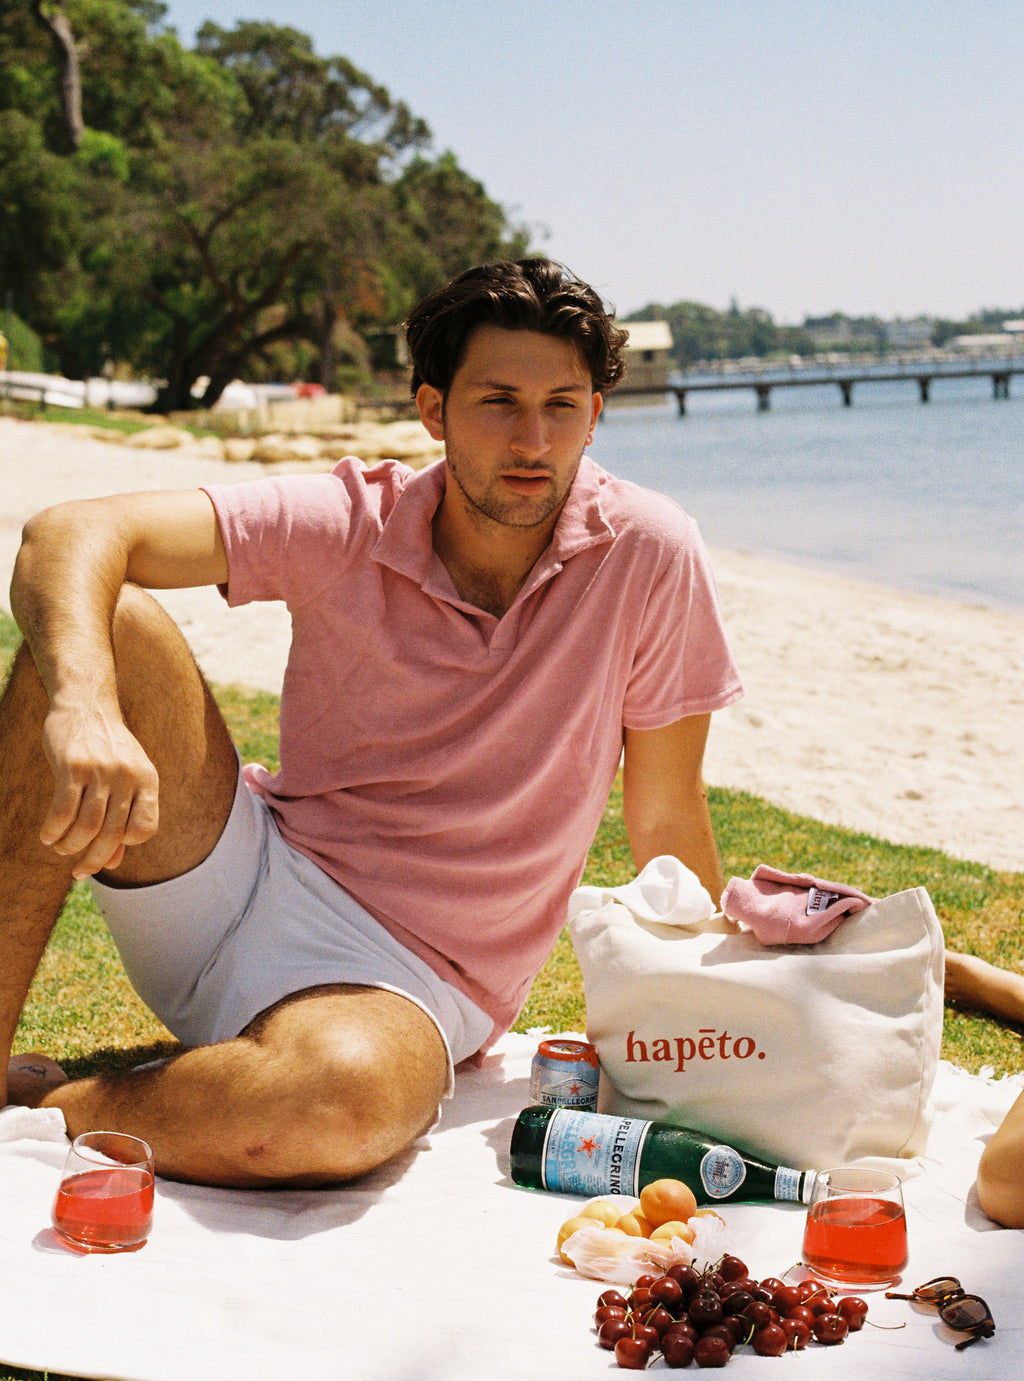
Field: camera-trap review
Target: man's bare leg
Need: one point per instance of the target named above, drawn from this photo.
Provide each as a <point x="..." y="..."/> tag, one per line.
<point x="34" y="881"/>
<point x="324" y="1086"/>
<point x="168" y="707"/>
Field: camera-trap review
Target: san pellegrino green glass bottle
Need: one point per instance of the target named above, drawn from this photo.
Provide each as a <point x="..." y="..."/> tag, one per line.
<point x="590" y="1153"/>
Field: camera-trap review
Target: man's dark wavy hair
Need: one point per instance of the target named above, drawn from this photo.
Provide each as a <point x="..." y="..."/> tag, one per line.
<point x="525" y="295"/>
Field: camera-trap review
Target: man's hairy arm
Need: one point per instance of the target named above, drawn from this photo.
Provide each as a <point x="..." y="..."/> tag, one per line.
<point x="74" y="560"/>
<point x="664" y="804"/>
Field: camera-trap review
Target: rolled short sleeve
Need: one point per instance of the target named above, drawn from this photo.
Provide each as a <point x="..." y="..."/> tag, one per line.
<point x="288" y="536"/>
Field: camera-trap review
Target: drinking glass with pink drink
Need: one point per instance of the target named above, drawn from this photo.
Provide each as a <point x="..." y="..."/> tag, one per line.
<point x="856" y="1233"/>
<point x="104" y="1201"/>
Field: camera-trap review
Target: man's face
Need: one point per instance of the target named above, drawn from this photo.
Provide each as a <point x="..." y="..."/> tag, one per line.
<point x="518" y="415"/>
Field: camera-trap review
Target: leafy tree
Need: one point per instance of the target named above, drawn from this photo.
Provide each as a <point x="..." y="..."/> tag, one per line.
<point x="228" y="210"/>
<point x="699" y="332"/>
<point x="40" y="219"/>
<point x="983" y="322"/>
<point x="749" y="333"/>
<point x="448" y="221"/>
<point x="291" y="93"/>
<point x="25" y="347"/>
<point x="247" y="241"/>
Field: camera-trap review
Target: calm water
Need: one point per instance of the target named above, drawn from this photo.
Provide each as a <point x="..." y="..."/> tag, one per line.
<point x="926" y="497"/>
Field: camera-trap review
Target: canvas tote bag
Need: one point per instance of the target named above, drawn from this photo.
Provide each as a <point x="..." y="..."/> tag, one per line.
<point x="807" y="1055"/>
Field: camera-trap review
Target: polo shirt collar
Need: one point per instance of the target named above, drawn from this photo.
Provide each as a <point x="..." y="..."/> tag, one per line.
<point x="406" y="542"/>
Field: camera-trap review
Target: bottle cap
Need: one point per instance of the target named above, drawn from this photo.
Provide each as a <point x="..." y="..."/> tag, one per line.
<point x="810" y="1180"/>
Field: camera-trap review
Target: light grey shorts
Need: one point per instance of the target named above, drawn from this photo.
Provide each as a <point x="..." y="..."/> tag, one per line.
<point x="256" y="922"/>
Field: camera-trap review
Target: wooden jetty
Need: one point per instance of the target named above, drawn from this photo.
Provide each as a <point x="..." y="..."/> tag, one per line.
<point x="844" y="376"/>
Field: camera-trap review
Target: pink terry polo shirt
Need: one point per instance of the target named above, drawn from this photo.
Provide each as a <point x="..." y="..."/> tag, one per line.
<point x="448" y="768"/>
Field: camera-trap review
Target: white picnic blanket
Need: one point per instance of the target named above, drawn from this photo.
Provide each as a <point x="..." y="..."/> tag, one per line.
<point x="439" y="1267"/>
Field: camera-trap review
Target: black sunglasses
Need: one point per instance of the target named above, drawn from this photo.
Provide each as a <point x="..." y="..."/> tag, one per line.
<point x="966" y="1313"/>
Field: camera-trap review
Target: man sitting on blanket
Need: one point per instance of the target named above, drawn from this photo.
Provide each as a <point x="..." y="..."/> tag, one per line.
<point x="473" y="647"/>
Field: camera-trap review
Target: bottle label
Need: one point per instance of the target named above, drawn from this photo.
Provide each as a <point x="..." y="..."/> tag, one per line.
<point x="590" y="1153"/>
<point x="722" y="1172"/>
<point x="787" y="1183"/>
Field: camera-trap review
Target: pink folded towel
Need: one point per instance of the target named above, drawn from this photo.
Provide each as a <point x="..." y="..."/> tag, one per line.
<point x="790" y="908"/>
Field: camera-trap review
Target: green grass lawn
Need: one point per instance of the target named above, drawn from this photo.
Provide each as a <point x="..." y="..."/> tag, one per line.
<point x="122" y="420"/>
<point x="82" y="1011"/>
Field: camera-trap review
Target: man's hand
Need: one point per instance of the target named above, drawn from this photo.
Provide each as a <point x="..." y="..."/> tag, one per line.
<point x="105" y="788"/>
<point x="73" y="563"/>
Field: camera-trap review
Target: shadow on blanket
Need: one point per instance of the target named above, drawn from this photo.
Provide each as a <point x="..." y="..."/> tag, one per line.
<point x="289" y="1215"/>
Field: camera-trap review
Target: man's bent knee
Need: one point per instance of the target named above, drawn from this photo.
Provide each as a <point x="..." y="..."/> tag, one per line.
<point x="326" y="1086"/>
<point x="373" y="1110"/>
<point x="369" y="1068"/>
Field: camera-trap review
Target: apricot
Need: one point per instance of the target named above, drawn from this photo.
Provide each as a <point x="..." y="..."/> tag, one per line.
<point x="634" y="1224"/>
<point x="667" y="1201"/>
<point x="570" y="1226"/>
<point x="668" y="1230"/>
<point x="603" y="1210"/>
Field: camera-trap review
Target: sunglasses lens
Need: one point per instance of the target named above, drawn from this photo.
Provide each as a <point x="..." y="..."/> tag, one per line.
<point x="965" y="1313"/>
<point x="939" y="1288"/>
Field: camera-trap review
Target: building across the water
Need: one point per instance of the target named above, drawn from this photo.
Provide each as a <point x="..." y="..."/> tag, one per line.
<point x="1007" y="341"/>
<point x="648" y="356"/>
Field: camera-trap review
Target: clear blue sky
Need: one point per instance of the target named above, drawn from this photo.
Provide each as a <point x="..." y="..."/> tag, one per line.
<point x="803" y="156"/>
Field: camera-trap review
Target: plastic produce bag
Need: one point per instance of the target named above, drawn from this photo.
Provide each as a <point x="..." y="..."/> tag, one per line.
<point x="605" y="1254"/>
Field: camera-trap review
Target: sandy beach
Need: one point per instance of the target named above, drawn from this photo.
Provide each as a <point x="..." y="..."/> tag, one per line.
<point x="886" y="712"/>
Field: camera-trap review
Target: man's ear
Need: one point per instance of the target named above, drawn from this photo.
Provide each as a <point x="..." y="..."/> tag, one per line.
<point x="430" y="402"/>
<point x="596" y="407"/>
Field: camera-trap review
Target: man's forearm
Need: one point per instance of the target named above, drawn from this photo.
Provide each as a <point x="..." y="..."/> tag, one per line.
<point x="75" y="562"/>
<point x="688" y="836"/>
<point x="664" y="804"/>
<point x="76" y="557"/>
<point x="67" y="578"/>
<point x="70" y="571"/>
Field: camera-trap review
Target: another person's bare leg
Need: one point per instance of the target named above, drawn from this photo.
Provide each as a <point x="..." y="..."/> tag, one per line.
<point x="326" y="1085"/>
<point x="972" y="982"/>
<point x="1000" y="1180"/>
<point x="169" y="709"/>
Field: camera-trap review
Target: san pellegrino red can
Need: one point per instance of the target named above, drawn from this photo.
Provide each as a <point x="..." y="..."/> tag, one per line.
<point x="565" y="1075"/>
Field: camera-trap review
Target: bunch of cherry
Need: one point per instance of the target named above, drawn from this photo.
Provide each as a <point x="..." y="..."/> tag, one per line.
<point x="691" y="1316"/>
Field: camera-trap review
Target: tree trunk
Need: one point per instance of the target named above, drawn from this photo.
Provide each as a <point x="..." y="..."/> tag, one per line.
<point x="70" y="76"/>
<point x="328" y="322"/>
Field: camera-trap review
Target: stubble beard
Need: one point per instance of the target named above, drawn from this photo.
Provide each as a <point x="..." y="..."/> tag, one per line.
<point x="516" y="513"/>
